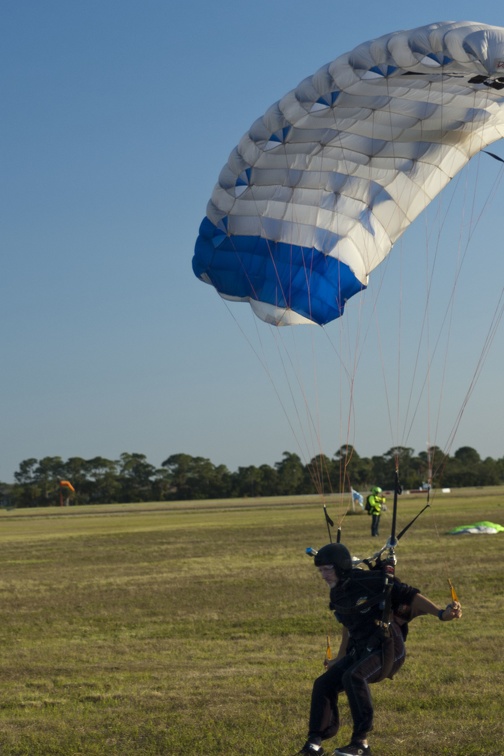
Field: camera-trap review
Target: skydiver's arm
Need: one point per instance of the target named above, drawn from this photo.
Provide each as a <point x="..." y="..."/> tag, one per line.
<point x="422" y="605"/>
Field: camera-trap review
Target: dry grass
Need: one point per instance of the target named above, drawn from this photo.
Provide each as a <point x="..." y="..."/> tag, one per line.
<point x="198" y="628"/>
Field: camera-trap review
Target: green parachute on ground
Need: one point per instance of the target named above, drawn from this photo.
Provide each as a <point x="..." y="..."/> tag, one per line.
<point x="485" y="528"/>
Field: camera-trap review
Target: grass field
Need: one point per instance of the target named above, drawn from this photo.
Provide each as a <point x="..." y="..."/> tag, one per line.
<point x="198" y="629"/>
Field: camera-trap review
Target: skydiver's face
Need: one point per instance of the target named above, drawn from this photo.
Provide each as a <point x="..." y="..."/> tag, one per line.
<point x="328" y="573"/>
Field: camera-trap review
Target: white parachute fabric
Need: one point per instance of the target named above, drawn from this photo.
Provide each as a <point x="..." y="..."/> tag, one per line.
<point x="317" y="192"/>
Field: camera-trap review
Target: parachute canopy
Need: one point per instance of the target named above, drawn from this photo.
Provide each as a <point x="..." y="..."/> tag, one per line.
<point x="478" y="528"/>
<point x="319" y="189"/>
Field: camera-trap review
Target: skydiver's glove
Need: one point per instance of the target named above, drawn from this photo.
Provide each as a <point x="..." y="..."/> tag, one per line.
<point x="452" y="611"/>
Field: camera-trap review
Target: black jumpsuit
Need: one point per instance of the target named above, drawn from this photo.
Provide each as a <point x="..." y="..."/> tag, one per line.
<point x="358" y="601"/>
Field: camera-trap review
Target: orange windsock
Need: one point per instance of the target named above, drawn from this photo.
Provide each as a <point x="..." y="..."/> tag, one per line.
<point x="67" y="484"/>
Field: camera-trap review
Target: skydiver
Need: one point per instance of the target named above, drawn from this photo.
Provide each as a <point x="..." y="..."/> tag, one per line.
<point x="372" y="645"/>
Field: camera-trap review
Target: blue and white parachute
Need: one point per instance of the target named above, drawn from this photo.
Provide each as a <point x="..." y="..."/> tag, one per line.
<point x="317" y="192"/>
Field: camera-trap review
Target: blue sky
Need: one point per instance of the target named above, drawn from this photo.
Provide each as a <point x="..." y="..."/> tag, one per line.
<point x="117" y="118"/>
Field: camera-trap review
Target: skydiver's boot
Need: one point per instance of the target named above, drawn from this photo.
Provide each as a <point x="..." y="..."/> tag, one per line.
<point x="311" y="749"/>
<point x="353" y="749"/>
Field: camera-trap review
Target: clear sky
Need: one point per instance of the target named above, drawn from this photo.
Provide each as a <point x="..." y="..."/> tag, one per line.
<point x="117" y="117"/>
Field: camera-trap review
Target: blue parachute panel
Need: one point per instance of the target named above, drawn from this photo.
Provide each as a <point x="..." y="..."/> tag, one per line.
<point x="284" y="275"/>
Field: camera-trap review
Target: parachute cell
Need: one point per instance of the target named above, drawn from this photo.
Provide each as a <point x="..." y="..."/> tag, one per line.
<point x="317" y="192"/>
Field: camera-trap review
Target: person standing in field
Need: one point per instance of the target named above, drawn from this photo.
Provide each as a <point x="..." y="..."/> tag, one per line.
<point x="374" y="610"/>
<point x="374" y="505"/>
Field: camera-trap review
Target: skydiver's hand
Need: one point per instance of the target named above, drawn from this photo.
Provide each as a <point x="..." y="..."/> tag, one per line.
<point x="452" y="611"/>
<point x="328" y="663"/>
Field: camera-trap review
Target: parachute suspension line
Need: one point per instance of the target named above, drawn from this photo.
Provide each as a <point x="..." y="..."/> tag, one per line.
<point x="497" y="317"/>
<point x="329" y="523"/>
<point x="429" y="472"/>
<point x="412" y="522"/>
<point x="322" y="460"/>
<point x="449" y="314"/>
<point x="310" y="427"/>
<point x="397" y="493"/>
<point x="425" y="332"/>
<point x="353" y="356"/>
<point x="312" y="424"/>
<point x="430" y="356"/>
<point x="286" y="354"/>
<point x="347" y="374"/>
<point x="394" y="435"/>
<point x="322" y="469"/>
<point x="411" y="410"/>
<point x="399" y="342"/>
<point x="384" y="376"/>
<point x="410" y="413"/>
<point x="446" y="322"/>
<point x="264" y="364"/>
<point x="492" y="329"/>
<point x="448" y="317"/>
<point x="318" y="473"/>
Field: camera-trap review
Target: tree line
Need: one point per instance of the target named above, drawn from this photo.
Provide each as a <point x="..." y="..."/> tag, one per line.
<point x="182" y="477"/>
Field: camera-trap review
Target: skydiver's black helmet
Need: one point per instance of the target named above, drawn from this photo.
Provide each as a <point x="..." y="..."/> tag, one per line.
<point x="336" y="555"/>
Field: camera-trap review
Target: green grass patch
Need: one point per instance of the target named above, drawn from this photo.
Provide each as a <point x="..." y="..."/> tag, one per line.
<point x="198" y="628"/>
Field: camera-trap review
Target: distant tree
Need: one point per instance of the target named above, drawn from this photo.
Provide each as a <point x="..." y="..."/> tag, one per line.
<point x="103" y="484"/>
<point x="490" y="473"/>
<point x="161" y="485"/>
<point x="464" y="468"/>
<point x="181" y="476"/>
<point x="49" y="472"/>
<point x="320" y="475"/>
<point x="500" y="466"/>
<point x="351" y="469"/>
<point x="136" y="477"/>
<point x="195" y="478"/>
<point x="402" y="456"/>
<point x="26" y="473"/>
<point x="468" y="456"/>
<point x="432" y="466"/>
<point x="215" y="480"/>
<point x="345" y="453"/>
<point x="248" y="481"/>
<point x="27" y="492"/>
<point x="178" y="467"/>
<point x="290" y="473"/>
<point x="269" y="480"/>
<point x="382" y="472"/>
<point x="75" y="470"/>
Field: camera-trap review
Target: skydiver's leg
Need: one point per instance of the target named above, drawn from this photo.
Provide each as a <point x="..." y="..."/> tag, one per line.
<point x="324" y="716"/>
<point x="356" y="682"/>
<point x="357" y="678"/>
<point x="375" y="524"/>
